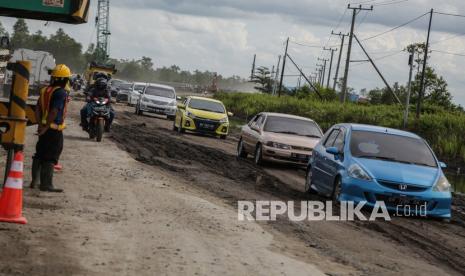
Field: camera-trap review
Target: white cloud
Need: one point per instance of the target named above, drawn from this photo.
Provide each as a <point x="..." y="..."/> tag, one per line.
<point x="223" y="35"/>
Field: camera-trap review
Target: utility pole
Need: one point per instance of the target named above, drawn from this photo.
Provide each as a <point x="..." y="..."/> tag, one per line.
<point x="355" y="10"/>
<point x="253" y="67"/>
<point x="378" y="71"/>
<point x="284" y="67"/>
<point x="275" y="83"/>
<point x="409" y="91"/>
<point x="320" y="73"/>
<point x="324" y="70"/>
<point x="425" y="61"/>
<point x="342" y="36"/>
<point x="330" y="64"/>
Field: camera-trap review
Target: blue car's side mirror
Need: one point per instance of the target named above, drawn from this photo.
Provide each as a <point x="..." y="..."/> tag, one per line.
<point x="333" y="151"/>
<point x="442" y="165"/>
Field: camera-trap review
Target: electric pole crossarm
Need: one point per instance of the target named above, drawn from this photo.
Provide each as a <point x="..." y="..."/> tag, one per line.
<point x="305" y="77"/>
<point x="377" y="70"/>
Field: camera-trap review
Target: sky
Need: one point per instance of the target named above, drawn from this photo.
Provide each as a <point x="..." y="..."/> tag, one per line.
<point x="223" y="35"/>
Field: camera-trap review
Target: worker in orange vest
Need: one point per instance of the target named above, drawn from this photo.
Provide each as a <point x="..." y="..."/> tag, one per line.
<point x="51" y="112"/>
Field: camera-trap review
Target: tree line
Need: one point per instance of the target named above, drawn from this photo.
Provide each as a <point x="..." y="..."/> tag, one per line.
<point x="67" y="50"/>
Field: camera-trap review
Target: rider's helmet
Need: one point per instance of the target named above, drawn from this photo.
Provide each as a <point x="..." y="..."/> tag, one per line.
<point x="101" y="83"/>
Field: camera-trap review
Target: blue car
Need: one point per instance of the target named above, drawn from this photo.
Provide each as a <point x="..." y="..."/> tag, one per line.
<point x="362" y="163"/>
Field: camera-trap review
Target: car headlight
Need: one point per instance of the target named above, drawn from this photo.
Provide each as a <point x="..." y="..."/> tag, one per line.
<point x="174" y="103"/>
<point x="278" y="145"/>
<point x="224" y="120"/>
<point x="442" y="185"/>
<point x="190" y="115"/>
<point x="144" y="99"/>
<point x="355" y="171"/>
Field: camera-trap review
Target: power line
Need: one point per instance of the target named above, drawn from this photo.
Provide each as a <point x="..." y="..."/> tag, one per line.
<point x="337" y="27"/>
<point x="304" y="44"/>
<point x="390" y="3"/>
<point x="450" y="14"/>
<point x="395" y="28"/>
<point x="449" y="53"/>
<point x="449" y="38"/>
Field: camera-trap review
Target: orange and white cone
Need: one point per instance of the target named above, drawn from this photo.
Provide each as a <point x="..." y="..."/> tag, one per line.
<point x="11" y="201"/>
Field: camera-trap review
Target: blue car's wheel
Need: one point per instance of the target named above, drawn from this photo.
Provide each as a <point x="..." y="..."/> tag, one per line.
<point x="308" y="182"/>
<point x="337" y="190"/>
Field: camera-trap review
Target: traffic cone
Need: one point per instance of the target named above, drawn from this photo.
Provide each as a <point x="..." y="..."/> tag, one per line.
<point x="11" y="201"/>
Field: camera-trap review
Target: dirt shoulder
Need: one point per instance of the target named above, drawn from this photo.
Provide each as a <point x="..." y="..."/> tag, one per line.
<point x="403" y="246"/>
<point x="121" y="216"/>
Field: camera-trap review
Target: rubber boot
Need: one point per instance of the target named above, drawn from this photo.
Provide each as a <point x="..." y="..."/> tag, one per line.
<point x="46" y="178"/>
<point x="35" y="173"/>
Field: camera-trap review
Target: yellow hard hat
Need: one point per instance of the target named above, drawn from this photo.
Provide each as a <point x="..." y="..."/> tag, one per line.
<point x="61" y="71"/>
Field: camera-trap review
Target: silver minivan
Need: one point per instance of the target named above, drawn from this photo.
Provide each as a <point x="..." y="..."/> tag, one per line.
<point x="158" y="99"/>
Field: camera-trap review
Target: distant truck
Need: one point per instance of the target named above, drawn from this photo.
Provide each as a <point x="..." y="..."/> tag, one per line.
<point x="41" y="61"/>
<point x="95" y="69"/>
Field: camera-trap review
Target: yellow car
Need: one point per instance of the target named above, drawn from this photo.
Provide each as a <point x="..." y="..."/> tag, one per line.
<point x="202" y="115"/>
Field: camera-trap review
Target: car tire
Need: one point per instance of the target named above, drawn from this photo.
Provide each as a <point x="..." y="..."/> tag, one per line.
<point x="180" y="128"/>
<point x="241" y="153"/>
<point x="308" y="182"/>
<point x="138" y="111"/>
<point x="175" y="128"/>
<point x="258" y="157"/>
<point x="337" y="190"/>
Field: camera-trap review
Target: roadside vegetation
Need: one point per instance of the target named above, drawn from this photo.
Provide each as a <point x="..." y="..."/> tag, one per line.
<point x="443" y="129"/>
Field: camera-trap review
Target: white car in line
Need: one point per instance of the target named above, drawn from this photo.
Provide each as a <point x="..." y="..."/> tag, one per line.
<point x="137" y="89"/>
<point x="158" y="99"/>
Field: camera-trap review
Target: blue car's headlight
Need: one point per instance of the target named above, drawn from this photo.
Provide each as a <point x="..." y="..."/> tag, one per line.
<point x="442" y="185"/>
<point x="355" y="171"/>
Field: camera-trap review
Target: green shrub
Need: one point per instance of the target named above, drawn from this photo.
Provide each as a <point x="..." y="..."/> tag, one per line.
<point x="444" y="130"/>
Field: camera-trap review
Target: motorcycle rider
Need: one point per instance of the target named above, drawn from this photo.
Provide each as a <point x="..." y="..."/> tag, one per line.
<point x="99" y="90"/>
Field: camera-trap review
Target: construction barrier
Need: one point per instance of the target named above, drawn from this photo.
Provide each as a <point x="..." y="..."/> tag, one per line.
<point x="13" y="125"/>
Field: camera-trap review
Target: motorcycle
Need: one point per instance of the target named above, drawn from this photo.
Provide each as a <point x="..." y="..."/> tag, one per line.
<point x="78" y="85"/>
<point x="100" y="116"/>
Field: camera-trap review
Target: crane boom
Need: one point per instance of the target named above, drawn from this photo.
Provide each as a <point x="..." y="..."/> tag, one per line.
<point x="103" y="30"/>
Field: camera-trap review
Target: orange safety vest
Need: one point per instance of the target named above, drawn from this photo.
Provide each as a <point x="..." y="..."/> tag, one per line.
<point x="46" y="95"/>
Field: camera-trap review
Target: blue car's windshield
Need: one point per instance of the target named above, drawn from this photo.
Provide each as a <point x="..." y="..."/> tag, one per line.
<point x="395" y="148"/>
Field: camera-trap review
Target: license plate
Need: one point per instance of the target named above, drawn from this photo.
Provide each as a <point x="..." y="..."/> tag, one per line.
<point x="404" y="201"/>
<point x="300" y="156"/>
<point x="100" y="108"/>
<point x="206" y="126"/>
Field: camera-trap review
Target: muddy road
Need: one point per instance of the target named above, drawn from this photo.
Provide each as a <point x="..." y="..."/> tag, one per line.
<point x="402" y="246"/>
